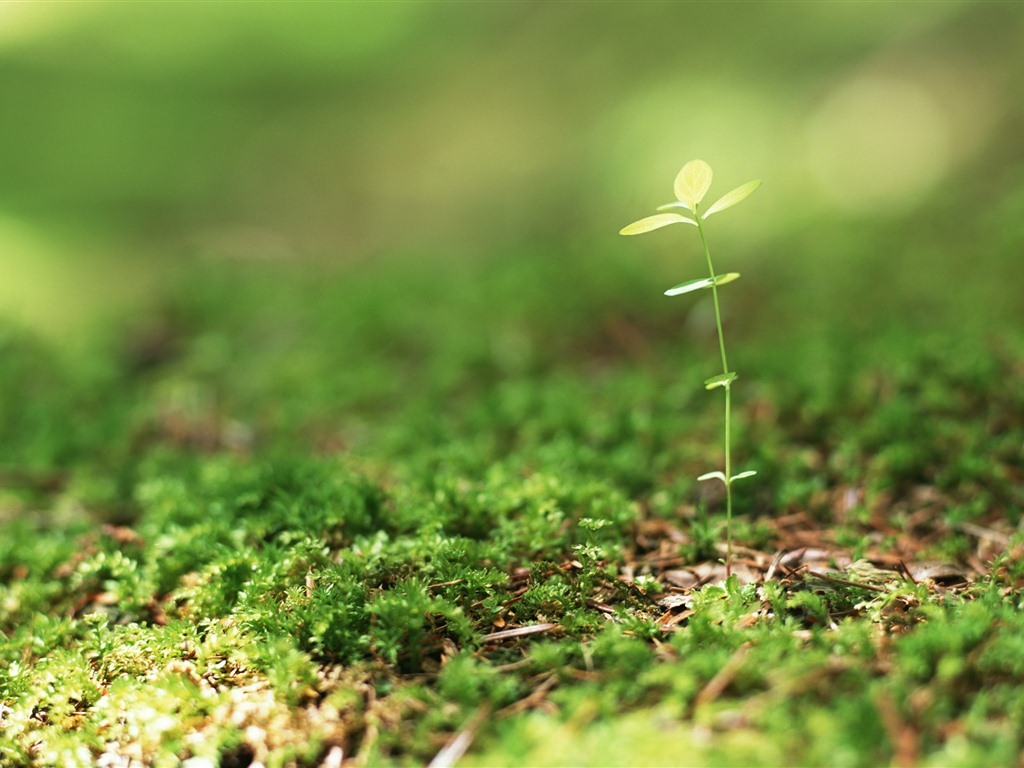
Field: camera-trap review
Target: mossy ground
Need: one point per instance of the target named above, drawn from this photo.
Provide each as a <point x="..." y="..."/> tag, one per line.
<point x="372" y="514"/>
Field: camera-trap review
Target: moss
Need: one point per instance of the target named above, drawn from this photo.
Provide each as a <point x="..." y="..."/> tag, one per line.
<point x="316" y="530"/>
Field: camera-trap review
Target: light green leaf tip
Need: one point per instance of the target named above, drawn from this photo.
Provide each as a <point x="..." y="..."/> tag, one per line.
<point x="729" y="199"/>
<point x="657" y="221"/>
<point x="692" y="183"/>
<point x="741" y="475"/>
<point x="712" y="476"/>
<point x="728" y="277"/>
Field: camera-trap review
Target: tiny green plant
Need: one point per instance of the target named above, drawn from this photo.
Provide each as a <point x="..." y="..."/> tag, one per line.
<point x="691" y="186"/>
<point x="591" y="553"/>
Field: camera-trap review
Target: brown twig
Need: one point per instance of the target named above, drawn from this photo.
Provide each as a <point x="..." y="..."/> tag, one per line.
<point x="906" y="572"/>
<point x="371" y="730"/>
<point x="534" y="698"/>
<point x="507" y="634"/>
<point x="451" y="583"/>
<point x="460" y="743"/>
<point x="774" y="566"/>
<point x="717" y="684"/>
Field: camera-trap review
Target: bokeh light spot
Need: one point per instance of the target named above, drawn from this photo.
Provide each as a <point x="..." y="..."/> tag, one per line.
<point x="878" y="144"/>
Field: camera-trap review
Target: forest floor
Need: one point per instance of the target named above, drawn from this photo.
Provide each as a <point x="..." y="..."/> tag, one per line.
<point x="360" y="519"/>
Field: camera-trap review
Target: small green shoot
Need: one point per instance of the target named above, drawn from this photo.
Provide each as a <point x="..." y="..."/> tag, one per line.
<point x="591" y="553"/>
<point x="691" y="185"/>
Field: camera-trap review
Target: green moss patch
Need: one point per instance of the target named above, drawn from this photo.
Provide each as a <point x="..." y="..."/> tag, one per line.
<point x="303" y="521"/>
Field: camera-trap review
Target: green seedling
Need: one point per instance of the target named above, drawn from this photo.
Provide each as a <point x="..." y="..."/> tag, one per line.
<point x="691" y="186"/>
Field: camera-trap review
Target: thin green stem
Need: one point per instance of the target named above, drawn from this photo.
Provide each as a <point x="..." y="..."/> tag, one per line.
<point x="728" y="402"/>
<point x="728" y="487"/>
<point x="714" y="293"/>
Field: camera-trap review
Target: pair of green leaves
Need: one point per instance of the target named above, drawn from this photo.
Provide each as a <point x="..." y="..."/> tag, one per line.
<point x="721" y="476"/>
<point x="691" y="186"/>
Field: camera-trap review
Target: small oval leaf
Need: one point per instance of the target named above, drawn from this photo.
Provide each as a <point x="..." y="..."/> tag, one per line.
<point x="689" y="285"/>
<point x="712" y="476"/>
<point x="655" y="222"/>
<point x="704" y="282"/>
<point x="729" y="199"/>
<point x="741" y="475"/>
<point x="677" y="204"/>
<point x="721" y="380"/>
<point x="692" y="183"/>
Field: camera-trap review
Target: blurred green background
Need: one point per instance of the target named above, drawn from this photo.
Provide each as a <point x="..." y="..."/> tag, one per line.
<point x="139" y="139"/>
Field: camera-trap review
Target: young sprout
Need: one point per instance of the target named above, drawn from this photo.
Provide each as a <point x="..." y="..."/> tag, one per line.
<point x="691" y="186"/>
